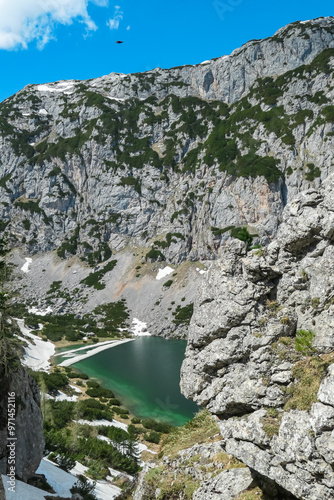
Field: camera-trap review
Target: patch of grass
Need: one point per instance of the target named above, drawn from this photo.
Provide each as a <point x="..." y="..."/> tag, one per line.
<point x="303" y="342"/>
<point x="198" y="430"/>
<point x="271" y="422"/>
<point x="284" y="348"/>
<point x="253" y="493"/>
<point x="182" y="486"/>
<point x="307" y="375"/>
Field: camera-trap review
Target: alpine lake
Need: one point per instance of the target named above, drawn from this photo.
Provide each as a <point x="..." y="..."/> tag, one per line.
<point x="144" y="375"/>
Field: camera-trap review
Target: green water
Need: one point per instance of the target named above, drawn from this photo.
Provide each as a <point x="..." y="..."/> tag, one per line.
<point x="70" y="348"/>
<point x="144" y="374"/>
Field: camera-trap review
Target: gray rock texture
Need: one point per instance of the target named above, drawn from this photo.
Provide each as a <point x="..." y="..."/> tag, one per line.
<point x="260" y="349"/>
<point x="89" y="167"/>
<point x="199" y="464"/>
<point x="28" y="423"/>
<point x="225" y="486"/>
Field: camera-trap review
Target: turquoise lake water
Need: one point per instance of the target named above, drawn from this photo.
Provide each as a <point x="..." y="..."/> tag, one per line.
<point x="144" y="375"/>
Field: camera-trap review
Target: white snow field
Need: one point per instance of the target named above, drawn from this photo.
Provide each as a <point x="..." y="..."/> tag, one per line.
<point x="38" y="352"/>
<point x="162" y="273"/>
<point x="25" y="267"/>
<point x="61" y="482"/>
<point x="139" y="328"/>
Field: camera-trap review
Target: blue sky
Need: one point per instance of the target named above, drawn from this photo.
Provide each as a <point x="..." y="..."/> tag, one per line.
<point x="67" y="39"/>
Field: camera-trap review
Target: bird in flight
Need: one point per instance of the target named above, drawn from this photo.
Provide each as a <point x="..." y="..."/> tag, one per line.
<point x="119" y="41"/>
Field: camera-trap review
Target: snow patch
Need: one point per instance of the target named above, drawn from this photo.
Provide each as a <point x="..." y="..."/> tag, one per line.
<point x="205" y="62"/>
<point x="43" y="112"/>
<point x="164" y="272"/>
<point x="23" y="491"/>
<point x="25" y="267"/>
<point x="201" y="271"/>
<point x="115" y="98"/>
<point x="61" y="482"/>
<point x="123" y="448"/>
<point x="76" y="389"/>
<point x="59" y="87"/>
<point x="40" y="312"/>
<point x="62" y="397"/>
<point x="106" y="345"/>
<point x="139" y="328"/>
<point x="38" y="353"/>
<point x="107" y="423"/>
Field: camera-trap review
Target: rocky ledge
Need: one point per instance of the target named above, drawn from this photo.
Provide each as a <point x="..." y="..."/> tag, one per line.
<point x="260" y="351"/>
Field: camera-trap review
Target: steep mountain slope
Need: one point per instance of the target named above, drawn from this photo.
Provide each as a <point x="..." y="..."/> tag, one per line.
<point x="123" y="159"/>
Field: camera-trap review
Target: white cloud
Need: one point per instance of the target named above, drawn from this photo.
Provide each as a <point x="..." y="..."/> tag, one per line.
<point x="22" y="21"/>
<point x="118" y="16"/>
<point x="128" y="28"/>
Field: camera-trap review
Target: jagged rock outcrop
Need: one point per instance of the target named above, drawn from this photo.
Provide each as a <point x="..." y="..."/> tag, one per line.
<point x="261" y="349"/>
<point x="201" y="465"/>
<point x="158" y="159"/>
<point x="28" y="423"/>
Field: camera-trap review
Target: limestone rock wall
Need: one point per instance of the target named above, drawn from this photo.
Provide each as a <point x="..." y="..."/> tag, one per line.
<point x="261" y="349"/>
<point x="28" y="423"/>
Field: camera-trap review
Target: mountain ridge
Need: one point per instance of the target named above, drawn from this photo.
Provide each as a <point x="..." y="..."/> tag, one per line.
<point x="88" y="174"/>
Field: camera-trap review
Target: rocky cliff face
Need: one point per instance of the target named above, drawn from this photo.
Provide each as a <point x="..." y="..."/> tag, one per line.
<point x="260" y="353"/>
<point x="158" y="159"/>
<point x="28" y="423"/>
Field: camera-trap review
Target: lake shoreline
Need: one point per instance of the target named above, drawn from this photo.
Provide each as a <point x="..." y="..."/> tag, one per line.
<point x="94" y="349"/>
<point x="144" y="375"/>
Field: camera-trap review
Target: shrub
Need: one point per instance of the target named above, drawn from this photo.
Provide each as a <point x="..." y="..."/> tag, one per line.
<point x="84" y="487"/>
<point x="99" y="392"/>
<point x="313" y="172"/>
<point x="168" y="283"/>
<point x="120" y="411"/>
<point x="134" y="182"/>
<point x="93" y="279"/>
<point x="153" y="437"/>
<point x="162" y="427"/>
<point x="97" y="470"/>
<point x="65" y="461"/>
<point x="241" y="233"/>
<point x="93" y="384"/>
<point x="154" y="255"/>
<point x="183" y="314"/>
<point x="136" y="420"/>
<point x="53" y="381"/>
